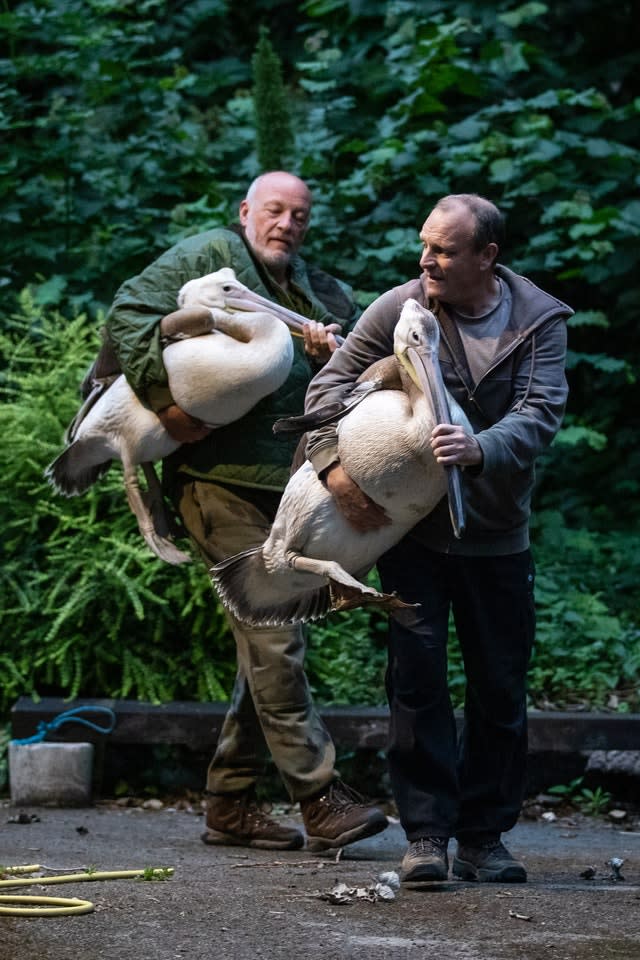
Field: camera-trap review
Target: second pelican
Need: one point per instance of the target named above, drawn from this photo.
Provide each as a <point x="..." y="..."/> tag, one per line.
<point x="383" y="444"/>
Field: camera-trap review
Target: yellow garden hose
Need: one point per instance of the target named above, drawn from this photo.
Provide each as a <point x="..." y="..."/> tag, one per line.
<point x="61" y="906"/>
<point x="45" y="906"/>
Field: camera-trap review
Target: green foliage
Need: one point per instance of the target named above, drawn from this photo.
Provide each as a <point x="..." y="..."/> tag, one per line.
<point x="593" y="802"/>
<point x="588" y="641"/>
<point x="566" y="790"/>
<point x="86" y="608"/>
<point x="590" y="802"/>
<point x="109" y="129"/>
<point x="156" y="873"/>
<point x="346" y="657"/>
<point x="274" y="139"/>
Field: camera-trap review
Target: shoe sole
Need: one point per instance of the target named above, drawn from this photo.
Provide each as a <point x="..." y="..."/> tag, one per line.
<point x="464" y="870"/>
<point x="369" y="829"/>
<point x="425" y="873"/>
<point x="215" y="838"/>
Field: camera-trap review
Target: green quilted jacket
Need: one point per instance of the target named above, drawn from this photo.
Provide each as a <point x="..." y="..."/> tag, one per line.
<point x="244" y="453"/>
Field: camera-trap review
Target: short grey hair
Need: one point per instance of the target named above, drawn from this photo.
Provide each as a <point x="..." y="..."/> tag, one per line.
<point x="490" y="222"/>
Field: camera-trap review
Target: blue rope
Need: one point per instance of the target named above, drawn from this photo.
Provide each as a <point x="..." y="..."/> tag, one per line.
<point x="68" y="717"/>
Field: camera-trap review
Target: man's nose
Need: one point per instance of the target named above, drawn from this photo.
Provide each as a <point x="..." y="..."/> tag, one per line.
<point x="285" y="220"/>
<point x="425" y="258"/>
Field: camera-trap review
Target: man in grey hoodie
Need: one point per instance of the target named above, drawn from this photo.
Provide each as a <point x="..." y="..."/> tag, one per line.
<point x="502" y="353"/>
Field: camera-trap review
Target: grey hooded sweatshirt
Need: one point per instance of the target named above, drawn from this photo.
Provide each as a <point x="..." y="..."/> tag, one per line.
<point x="515" y="406"/>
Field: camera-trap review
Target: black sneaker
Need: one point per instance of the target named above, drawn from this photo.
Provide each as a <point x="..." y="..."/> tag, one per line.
<point x="338" y="816"/>
<point x="426" y="859"/>
<point x="488" y="862"/>
<point x="237" y="820"/>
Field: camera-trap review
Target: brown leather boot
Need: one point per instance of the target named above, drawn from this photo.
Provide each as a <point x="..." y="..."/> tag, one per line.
<point x="425" y="859"/>
<point x="339" y="816"/>
<point x="237" y="820"/>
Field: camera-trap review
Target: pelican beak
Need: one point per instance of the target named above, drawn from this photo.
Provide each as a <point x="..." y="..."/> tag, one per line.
<point x="245" y="299"/>
<point x="427" y="368"/>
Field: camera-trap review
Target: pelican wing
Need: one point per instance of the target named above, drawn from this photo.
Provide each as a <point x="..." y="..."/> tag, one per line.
<point x="257" y="598"/>
<point x="246" y="588"/>
<point x="329" y="413"/>
<point x="95" y="389"/>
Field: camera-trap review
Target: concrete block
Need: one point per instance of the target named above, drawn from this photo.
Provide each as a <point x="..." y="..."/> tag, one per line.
<point x="50" y="774"/>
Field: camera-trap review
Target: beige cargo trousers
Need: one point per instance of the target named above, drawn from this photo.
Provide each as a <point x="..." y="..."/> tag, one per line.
<point x="271" y="703"/>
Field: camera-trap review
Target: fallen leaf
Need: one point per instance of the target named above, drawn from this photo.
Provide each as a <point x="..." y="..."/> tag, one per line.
<point x="518" y="916"/>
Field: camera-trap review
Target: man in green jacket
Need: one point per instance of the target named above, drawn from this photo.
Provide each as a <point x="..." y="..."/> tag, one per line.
<point x="226" y="485"/>
<point x="502" y="354"/>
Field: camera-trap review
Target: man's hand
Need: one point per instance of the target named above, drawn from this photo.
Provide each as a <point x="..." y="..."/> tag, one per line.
<point x="319" y="340"/>
<point x="182" y="426"/>
<point x="360" y="512"/>
<point x="451" y="444"/>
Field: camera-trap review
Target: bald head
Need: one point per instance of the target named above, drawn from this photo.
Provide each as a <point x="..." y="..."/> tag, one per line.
<point x="277" y="180"/>
<point x="275" y="216"/>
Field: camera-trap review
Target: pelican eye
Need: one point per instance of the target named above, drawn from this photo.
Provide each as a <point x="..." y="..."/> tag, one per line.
<point x="227" y="289"/>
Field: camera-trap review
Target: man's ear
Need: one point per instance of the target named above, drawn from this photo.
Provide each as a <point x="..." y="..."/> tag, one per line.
<point x="243" y="210"/>
<point x="489" y="255"/>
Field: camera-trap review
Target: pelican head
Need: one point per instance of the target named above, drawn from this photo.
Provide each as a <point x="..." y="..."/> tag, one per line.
<point x="416" y="342"/>
<point x="416" y="333"/>
<point x="222" y="289"/>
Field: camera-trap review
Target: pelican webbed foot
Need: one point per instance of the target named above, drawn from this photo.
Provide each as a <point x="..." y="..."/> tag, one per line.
<point x="344" y="597"/>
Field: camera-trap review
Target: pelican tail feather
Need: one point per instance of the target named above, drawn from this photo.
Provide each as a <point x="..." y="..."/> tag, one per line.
<point x="70" y="473"/>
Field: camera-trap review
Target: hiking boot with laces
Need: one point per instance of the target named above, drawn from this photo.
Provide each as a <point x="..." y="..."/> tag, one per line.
<point x="338" y="816"/>
<point x="489" y="861"/>
<point x="237" y="820"/>
<point x="426" y="859"/>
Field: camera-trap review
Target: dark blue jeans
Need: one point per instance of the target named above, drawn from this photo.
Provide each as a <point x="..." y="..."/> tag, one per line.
<point x="442" y="786"/>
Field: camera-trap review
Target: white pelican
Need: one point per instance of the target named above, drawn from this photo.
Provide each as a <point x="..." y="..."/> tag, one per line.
<point x="245" y="355"/>
<point x="383" y="444"/>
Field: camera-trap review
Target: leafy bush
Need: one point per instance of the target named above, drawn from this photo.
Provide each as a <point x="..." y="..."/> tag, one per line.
<point x="588" y="637"/>
<point x="86" y="607"/>
<point x="347" y="656"/>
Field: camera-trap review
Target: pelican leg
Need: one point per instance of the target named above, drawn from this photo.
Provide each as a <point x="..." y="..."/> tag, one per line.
<point x="161" y="546"/>
<point x="346" y="592"/>
<point x="328" y="569"/>
<point x="164" y="522"/>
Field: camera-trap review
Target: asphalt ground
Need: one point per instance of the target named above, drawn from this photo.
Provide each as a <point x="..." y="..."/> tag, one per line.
<point x="231" y="903"/>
